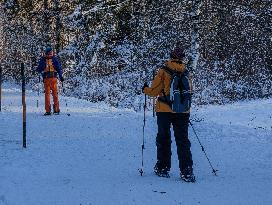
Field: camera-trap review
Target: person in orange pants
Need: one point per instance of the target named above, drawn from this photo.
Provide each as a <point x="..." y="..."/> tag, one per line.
<point x="50" y="68"/>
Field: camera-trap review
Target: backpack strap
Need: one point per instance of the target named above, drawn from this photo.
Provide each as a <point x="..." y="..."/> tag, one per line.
<point x="168" y="70"/>
<point x="164" y="99"/>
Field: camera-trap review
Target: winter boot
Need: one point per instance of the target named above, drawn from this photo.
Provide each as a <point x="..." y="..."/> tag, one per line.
<point x="187" y="175"/>
<point x="56" y="109"/>
<point x="47" y="113"/>
<point x="161" y="171"/>
<point x="56" y="112"/>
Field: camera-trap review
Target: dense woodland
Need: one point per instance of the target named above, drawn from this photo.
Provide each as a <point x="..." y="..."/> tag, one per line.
<point x="108" y="48"/>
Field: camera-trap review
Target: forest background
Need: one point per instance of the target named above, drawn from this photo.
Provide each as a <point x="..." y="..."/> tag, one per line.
<point x="109" y="48"/>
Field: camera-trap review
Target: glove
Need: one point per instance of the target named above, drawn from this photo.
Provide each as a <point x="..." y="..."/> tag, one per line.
<point x="145" y="85"/>
<point x="61" y="79"/>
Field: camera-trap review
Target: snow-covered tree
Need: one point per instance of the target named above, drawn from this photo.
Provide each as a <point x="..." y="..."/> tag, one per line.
<point x="109" y="48"/>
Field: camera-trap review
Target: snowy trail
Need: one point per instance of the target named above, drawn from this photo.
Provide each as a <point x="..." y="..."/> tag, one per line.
<point x="93" y="156"/>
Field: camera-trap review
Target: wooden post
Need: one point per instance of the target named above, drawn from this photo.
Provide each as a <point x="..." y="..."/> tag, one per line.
<point x="154" y="97"/>
<point x="23" y="103"/>
<point x="0" y="87"/>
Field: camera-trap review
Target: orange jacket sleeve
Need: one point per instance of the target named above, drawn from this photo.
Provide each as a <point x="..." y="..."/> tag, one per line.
<point x="156" y="86"/>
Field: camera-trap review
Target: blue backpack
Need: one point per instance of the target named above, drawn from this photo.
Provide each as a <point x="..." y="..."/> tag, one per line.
<point x="180" y="97"/>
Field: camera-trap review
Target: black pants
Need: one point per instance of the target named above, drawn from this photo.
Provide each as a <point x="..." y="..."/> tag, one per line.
<point x="180" y="122"/>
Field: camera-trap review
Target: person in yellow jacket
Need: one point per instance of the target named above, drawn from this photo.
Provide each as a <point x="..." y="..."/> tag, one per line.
<point x="49" y="66"/>
<point x="160" y="88"/>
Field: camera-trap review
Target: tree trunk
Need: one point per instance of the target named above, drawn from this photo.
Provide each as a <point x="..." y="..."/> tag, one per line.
<point x="58" y="26"/>
<point x="46" y="27"/>
<point x="194" y="34"/>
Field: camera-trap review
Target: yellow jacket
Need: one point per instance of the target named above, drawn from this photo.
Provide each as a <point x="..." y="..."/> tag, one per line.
<point x="162" y="82"/>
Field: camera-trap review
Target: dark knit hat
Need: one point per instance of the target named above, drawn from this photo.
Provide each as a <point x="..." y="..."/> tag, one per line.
<point x="48" y="50"/>
<point x="177" y="53"/>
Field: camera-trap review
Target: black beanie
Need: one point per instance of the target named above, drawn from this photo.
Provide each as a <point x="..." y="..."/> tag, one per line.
<point x="177" y="53"/>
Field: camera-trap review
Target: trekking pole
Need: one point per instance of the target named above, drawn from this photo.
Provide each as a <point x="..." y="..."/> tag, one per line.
<point x="66" y="104"/>
<point x="213" y="170"/>
<point x="143" y="147"/>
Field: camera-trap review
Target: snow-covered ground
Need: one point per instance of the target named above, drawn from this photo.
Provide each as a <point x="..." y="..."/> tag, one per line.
<point x="92" y="156"/>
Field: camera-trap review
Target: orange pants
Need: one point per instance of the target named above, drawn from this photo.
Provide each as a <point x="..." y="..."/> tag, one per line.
<point x="51" y="84"/>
